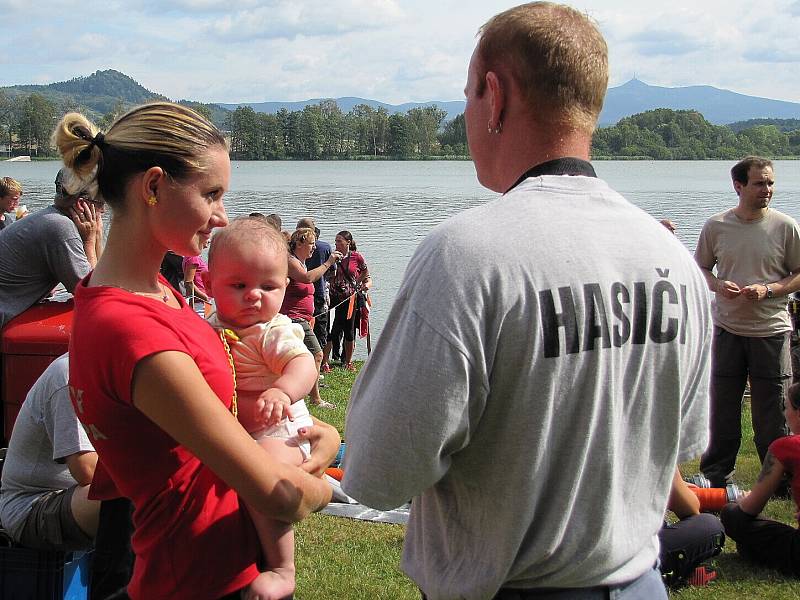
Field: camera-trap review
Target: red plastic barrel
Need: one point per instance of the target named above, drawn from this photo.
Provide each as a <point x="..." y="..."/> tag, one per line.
<point x="28" y="343"/>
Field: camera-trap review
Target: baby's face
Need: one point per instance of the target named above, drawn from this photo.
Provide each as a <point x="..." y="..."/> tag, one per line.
<point x="248" y="283"/>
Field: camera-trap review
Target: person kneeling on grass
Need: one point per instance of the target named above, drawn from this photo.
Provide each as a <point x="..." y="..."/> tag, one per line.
<point x="763" y="541"/>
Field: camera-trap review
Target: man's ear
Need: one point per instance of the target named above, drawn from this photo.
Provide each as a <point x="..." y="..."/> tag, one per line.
<point x="737" y="187"/>
<point x="206" y="277"/>
<point x="497" y="96"/>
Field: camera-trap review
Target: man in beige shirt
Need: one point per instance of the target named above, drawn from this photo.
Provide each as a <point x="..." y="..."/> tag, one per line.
<point x="756" y="251"/>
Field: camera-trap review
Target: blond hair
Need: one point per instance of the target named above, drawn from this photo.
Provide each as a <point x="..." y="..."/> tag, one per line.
<point x="247" y="230"/>
<point x="556" y="55"/>
<point x="9" y="186"/>
<point x="301" y="236"/>
<point x="160" y="134"/>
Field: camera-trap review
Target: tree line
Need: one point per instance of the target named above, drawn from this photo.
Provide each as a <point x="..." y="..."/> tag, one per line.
<point x="323" y="132"/>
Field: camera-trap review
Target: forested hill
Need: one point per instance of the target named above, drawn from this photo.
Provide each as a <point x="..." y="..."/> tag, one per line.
<point x="784" y="125"/>
<point x="100" y="92"/>
<point x="106" y="83"/>
<point x="664" y="134"/>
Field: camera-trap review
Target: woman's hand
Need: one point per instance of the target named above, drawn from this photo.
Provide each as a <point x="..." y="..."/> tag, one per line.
<point x="334" y="258"/>
<point x="325" y="443"/>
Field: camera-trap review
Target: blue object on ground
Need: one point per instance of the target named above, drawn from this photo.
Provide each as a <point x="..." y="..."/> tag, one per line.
<point x="45" y="575"/>
<point x="337" y="462"/>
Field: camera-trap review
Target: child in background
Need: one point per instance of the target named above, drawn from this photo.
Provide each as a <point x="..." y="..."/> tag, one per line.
<point x="193" y="268"/>
<point x="10" y="193"/>
<point x="763" y="541"/>
<point x="247" y="278"/>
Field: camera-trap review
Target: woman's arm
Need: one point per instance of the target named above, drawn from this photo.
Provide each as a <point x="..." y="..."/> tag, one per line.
<point x="768" y="481"/>
<point x="188" y="282"/>
<point x="298" y="272"/>
<point x="364" y="280"/>
<point x="170" y="390"/>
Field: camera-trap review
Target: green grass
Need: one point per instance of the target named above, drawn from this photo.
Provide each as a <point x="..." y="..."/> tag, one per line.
<point x="357" y="560"/>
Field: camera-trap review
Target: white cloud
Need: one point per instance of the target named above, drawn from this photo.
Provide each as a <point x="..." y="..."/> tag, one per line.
<point x="390" y="50"/>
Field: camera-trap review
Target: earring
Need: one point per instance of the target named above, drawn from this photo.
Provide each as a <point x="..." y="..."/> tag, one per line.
<point x="152" y="200"/>
<point x="497" y="129"/>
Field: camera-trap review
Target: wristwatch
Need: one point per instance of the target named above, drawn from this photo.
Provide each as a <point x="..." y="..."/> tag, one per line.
<point x="769" y="291"/>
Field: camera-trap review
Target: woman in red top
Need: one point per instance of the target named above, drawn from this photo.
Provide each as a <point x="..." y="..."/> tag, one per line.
<point x="351" y="275"/>
<point x="152" y="383"/>
<point x="298" y="304"/>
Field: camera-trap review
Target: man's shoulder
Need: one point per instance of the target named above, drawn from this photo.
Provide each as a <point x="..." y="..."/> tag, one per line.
<point x="782" y="218"/>
<point x="323" y="245"/>
<point x="720" y="217"/>
<point x="52" y="220"/>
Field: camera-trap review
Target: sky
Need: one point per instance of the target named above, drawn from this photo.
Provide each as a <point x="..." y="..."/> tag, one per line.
<point x="393" y="51"/>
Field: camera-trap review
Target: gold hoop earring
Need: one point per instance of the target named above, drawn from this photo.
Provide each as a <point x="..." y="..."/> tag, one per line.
<point x="152" y="200"/>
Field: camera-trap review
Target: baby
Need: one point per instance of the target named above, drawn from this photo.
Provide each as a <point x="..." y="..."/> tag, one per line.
<point x="247" y="277"/>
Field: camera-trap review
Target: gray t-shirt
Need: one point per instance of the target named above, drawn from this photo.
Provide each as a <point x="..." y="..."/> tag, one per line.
<point x="543" y="368"/>
<point x="36" y="254"/>
<point x="45" y="433"/>
<point x="748" y="252"/>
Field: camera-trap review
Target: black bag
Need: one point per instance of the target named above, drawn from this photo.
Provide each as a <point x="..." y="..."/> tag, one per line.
<point x="343" y="284"/>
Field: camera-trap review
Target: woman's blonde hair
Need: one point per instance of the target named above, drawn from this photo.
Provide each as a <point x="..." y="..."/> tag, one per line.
<point x="301" y="236"/>
<point x="161" y="134"/>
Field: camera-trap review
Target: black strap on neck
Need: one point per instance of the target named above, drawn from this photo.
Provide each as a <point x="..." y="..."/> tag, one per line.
<point x="559" y="166"/>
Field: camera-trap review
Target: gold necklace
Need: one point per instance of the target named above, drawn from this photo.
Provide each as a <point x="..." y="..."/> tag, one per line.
<point x="161" y="290"/>
<point x="223" y="335"/>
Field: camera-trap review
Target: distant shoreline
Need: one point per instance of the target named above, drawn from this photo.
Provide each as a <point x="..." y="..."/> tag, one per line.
<point x="448" y="158"/>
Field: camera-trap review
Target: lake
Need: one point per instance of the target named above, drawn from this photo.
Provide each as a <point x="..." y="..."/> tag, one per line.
<point x="390" y="206"/>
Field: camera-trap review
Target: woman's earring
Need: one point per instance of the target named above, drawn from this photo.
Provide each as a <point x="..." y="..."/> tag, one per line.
<point x="152" y="200"/>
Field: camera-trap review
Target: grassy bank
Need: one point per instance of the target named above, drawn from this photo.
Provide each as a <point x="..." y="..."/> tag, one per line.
<point x="357" y="560"/>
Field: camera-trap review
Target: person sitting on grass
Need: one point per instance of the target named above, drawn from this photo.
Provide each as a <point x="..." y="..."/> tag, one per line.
<point x="687" y="543"/>
<point x="44" y="497"/>
<point x="764" y="541"/>
<point x="247" y="278"/>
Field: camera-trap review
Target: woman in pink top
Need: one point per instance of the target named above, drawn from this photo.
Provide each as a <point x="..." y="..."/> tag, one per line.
<point x="298" y="304"/>
<point x="193" y="269"/>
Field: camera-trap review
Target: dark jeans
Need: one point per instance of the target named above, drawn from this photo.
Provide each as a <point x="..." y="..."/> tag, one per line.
<point x="766" y="360"/>
<point x="686" y="544"/>
<point x="112" y="562"/>
<point x="321" y="321"/>
<point x="762" y="541"/>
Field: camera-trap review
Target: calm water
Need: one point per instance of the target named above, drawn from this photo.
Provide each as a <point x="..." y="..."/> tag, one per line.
<point x="390" y="206"/>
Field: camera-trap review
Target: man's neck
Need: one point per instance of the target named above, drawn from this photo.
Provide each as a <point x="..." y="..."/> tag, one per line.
<point x="748" y="214"/>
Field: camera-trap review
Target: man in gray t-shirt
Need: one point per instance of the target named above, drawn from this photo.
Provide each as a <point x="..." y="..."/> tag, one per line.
<point x="756" y="252"/>
<point x="58" y="244"/>
<point x="48" y="468"/>
<point x="545" y="363"/>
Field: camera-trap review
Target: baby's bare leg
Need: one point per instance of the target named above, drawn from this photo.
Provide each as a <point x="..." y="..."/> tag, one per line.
<point x="276" y="537"/>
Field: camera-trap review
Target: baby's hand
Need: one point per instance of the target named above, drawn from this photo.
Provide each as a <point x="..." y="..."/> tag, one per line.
<point x="274" y="405"/>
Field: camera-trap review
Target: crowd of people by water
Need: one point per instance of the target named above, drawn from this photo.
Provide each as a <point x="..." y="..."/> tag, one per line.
<point x="534" y="401"/>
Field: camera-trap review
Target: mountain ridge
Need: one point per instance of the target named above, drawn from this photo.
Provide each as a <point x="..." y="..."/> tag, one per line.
<point x="102" y="91"/>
